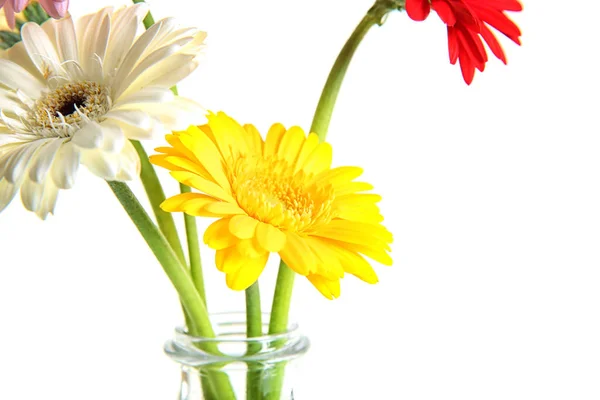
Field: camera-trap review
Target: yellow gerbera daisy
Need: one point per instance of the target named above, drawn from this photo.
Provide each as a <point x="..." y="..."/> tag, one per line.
<point x="278" y="195"/>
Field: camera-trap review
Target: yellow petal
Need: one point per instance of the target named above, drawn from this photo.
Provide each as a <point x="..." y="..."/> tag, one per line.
<point x="203" y="185"/>
<point x="247" y="272"/>
<point x="377" y="254"/>
<point x="365" y="214"/>
<point x="352" y="187"/>
<point x="328" y="288"/>
<point x="298" y="255"/>
<point x="338" y="176"/>
<point x="223" y="208"/>
<point x="228" y="134"/>
<point x="358" y="199"/>
<point x="291" y="143"/>
<point x="356" y="265"/>
<point x="207" y="153"/>
<point x="243" y="226"/>
<point x="183" y="164"/>
<point x="310" y="144"/>
<point x="250" y="248"/>
<point x="254" y="140"/>
<point x="355" y="232"/>
<point x="217" y="235"/>
<point x="174" y="141"/>
<point x="319" y="160"/>
<point x="329" y="265"/>
<point x="196" y="207"/>
<point x="270" y="238"/>
<point x="160" y="160"/>
<point x="174" y="203"/>
<point x="274" y="137"/>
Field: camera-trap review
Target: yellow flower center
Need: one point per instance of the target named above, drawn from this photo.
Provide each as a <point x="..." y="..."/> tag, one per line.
<point x="67" y="106"/>
<point x="269" y="191"/>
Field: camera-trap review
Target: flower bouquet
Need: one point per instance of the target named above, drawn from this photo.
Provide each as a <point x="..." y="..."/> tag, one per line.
<point x="90" y="90"/>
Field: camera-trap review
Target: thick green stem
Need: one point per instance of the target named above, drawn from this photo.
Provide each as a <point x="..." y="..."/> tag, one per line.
<point x="320" y="125"/>
<point x="179" y="277"/>
<point x="253" y="311"/>
<point x="253" y="329"/>
<point x="175" y="270"/>
<point x="191" y="230"/>
<point x="324" y="111"/>
<point x="156" y="195"/>
<point x="281" y="301"/>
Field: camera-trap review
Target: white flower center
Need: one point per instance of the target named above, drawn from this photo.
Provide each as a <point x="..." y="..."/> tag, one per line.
<point x="65" y="109"/>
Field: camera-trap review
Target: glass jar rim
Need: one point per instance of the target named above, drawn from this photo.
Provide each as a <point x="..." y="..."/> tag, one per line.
<point x="237" y="318"/>
<point x="230" y="332"/>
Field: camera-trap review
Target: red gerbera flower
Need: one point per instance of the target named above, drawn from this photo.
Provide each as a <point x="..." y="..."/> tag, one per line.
<point x="469" y="22"/>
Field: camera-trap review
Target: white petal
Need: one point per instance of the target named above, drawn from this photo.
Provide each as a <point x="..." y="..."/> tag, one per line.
<point x="9" y="101"/>
<point x="65" y="166"/>
<point x="44" y="159"/>
<point x="66" y="39"/>
<point x="166" y="27"/>
<point x="101" y="163"/>
<point x="40" y="49"/>
<point x="7" y="193"/>
<point x="166" y="73"/>
<point x="16" y="77"/>
<point x="113" y="138"/>
<point x="137" y="133"/>
<point x="31" y="194"/>
<point x="147" y="95"/>
<point x="48" y="200"/>
<point x="93" y="38"/>
<point x="132" y="57"/>
<point x="130" y="165"/>
<point x="148" y="62"/>
<point x="89" y="136"/>
<point x="131" y="117"/>
<point x="18" y="163"/>
<point x="123" y="31"/>
<point x="18" y="54"/>
<point x="176" y="115"/>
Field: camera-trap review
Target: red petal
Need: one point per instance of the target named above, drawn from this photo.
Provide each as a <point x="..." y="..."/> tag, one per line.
<point x="500" y="22"/>
<point x="493" y="43"/>
<point x="467" y="69"/>
<point x="445" y="11"/>
<point x="453" y="47"/>
<point x="417" y="10"/>
<point x="501" y="5"/>
<point x="470" y="44"/>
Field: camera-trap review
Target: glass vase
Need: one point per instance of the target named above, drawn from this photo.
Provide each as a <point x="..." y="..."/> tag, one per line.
<point x="232" y="366"/>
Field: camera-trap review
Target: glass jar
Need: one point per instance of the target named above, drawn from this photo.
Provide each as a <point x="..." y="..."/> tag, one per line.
<point x="232" y="366"/>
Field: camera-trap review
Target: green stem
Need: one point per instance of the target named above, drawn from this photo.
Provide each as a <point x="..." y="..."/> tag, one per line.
<point x="156" y="195"/>
<point x="175" y="270"/>
<point x="281" y="301"/>
<point x="329" y="95"/>
<point x="149" y="20"/>
<point x="253" y="329"/>
<point x="191" y="230"/>
<point x="181" y="280"/>
<point x="253" y="311"/>
<point x="320" y="125"/>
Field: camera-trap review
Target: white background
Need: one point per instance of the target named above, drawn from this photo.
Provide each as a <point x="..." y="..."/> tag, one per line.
<point x="492" y="192"/>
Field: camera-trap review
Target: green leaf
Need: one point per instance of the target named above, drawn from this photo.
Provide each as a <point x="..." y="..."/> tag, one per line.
<point x="8" y="39"/>
<point x="35" y="13"/>
<point x="19" y="23"/>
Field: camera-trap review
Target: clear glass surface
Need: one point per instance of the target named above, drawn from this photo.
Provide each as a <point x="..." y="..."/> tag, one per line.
<point x="232" y="366"/>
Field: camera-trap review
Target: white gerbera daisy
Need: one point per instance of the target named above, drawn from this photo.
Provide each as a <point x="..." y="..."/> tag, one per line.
<point x="74" y="92"/>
